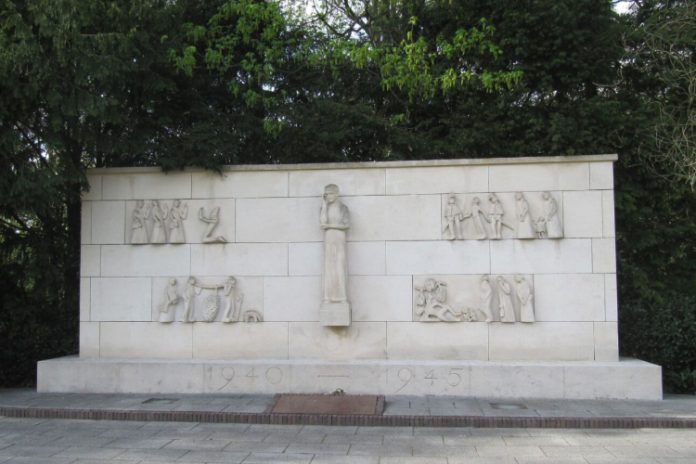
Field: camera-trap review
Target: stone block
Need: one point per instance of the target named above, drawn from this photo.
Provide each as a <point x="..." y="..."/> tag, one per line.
<point x="610" y="298"/>
<point x="335" y="314"/>
<point x="84" y="299"/>
<point x="608" y="223"/>
<point x="195" y="229"/>
<point x="540" y="256"/>
<point x="380" y="298"/>
<point x="437" y="341"/>
<point x="241" y="184"/>
<point x="244" y="259"/>
<point x="362" y="340"/>
<point x="517" y="380"/>
<point x="438" y="257"/>
<point x="630" y="378"/>
<point x="569" y="297"/>
<point x="429" y="378"/>
<point x="541" y="341"/>
<point x="249" y="289"/>
<point x="538" y="177"/>
<point x="279" y="220"/>
<point x="95" y="188"/>
<point x="90" y="260"/>
<point x="86" y="223"/>
<point x="583" y="214"/>
<point x="121" y="299"/>
<point x="404" y="217"/>
<point x="146" y="340"/>
<point x="108" y="219"/>
<point x="425" y="180"/>
<point x="142" y="186"/>
<point x="351" y="182"/>
<point x="241" y="340"/>
<point x="141" y="261"/>
<point x="364" y="258"/>
<point x="603" y="255"/>
<point x="606" y="339"/>
<point x="294" y="298"/>
<point x="89" y="339"/>
<point x="602" y="175"/>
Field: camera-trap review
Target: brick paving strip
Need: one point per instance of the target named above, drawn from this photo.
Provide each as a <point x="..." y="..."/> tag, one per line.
<point x="423" y="412"/>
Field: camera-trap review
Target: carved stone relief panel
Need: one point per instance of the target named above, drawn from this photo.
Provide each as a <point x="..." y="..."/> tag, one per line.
<point x="471" y="298"/>
<point x="495" y="216"/>
<point x="177" y="221"/>
<point x="208" y="299"/>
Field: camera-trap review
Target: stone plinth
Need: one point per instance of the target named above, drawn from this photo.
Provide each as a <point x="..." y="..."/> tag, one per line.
<point x="626" y="379"/>
<point x="335" y="314"/>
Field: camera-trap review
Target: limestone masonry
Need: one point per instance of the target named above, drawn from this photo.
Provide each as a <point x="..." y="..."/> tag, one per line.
<point x="492" y="277"/>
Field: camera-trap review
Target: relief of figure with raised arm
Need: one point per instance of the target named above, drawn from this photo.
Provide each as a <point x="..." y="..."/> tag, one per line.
<point x="212" y="219"/>
<point x="139" y="218"/>
<point x="192" y="289"/>
<point x="175" y="222"/>
<point x="431" y="303"/>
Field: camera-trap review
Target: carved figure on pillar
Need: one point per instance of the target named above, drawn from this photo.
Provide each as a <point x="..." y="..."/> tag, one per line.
<point x="526" y="297"/>
<point x="175" y="223"/>
<point x="507" y="310"/>
<point x="553" y="221"/>
<point x="334" y="220"/>
<point x="525" y="224"/>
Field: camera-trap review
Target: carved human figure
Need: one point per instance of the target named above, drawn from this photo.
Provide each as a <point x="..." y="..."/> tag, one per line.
<point x="553" y="221"/>
<point x="192" y="289"/>
<point x="525" y="223"/>
<point x="540" y="227"/>
<point x="159" y="215"/>
<point x="139" y="218"/>
<point x="234" y="300"/>
<point x="171" y="299"/>
<point x="175" y="222"/>
<point x="453" y="219"/>
<point x="334" y="221"/>
<point x="486" y="297"/>
<point x="526" y="297"/>
<point x="478" y="216"/>
<point x="495" y="216"/>
<point x="431" y="303"/>
<point x="505" y="306"/>
<point x="211" y="219"/>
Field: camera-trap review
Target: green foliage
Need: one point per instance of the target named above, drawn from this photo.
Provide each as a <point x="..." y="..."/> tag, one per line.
<point x="666" y="335"/>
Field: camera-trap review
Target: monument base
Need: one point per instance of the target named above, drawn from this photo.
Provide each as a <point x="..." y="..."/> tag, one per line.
<point x="625" y="379"/>
<point x="335" y="314"/>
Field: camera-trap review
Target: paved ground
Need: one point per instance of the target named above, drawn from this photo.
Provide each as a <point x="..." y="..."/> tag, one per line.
<point x="58" y="441"/>
<point x="679" y="406"/>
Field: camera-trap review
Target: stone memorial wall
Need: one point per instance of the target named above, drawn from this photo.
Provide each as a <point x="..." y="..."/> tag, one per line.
<point x="492" y="277"/>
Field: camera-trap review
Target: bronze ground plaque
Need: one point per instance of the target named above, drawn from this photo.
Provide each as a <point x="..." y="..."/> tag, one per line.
<point x="329" y="404"/>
